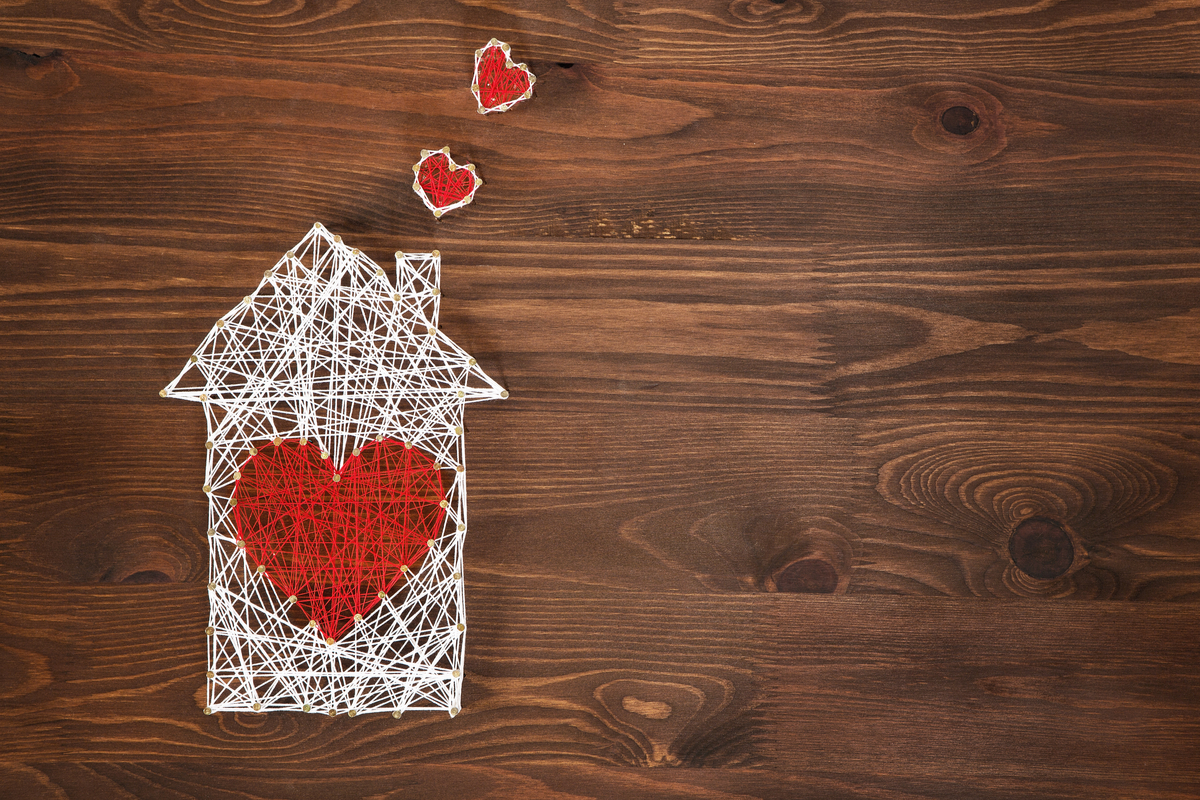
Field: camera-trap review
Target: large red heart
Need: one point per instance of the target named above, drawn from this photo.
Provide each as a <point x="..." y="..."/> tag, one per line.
<point x="444" y="184"/>
<point x="333" y="539"/>
<point x="498" y="81"/>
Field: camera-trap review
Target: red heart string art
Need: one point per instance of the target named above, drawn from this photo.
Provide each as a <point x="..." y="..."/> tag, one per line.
<point x="333" y="539"/>
<point x="442" y="184"/>
<point x="499" y="84"/>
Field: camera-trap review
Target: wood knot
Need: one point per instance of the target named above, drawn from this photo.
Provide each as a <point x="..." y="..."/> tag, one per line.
<point x="961" y="121"/>
<point x="1041" y="548"/>
<point x="807" y="576"/>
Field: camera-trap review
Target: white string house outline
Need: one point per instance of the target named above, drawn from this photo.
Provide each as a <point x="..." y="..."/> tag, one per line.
<point x="326" y="349"/>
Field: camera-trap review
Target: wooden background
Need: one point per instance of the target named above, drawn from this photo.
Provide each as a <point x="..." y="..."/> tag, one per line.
<point x="852" y="448"/>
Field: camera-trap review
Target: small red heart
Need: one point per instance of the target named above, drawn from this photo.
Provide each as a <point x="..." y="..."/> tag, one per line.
<point x="445" y="183"/>
<point x="335" y="538"/>
<point x="500" y="84"/>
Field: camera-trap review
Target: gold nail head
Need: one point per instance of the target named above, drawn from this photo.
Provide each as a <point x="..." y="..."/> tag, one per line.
<point x="351" y="713"/>
<point x="312" y="623"/>
<point x="358" y="617"/>
<point x="431" y="330"/>
<point x="456" y="673"/>
<point x="424" y="154"/>
<point x="307" y="706"/>
<point x="430" y="542"/>
<point x="237" y="476"/>
<point x="396" y="297"/>
<point x="504" y="394"/>
<point x="291" y="253"/>
<point x="461" y="627"/>
<point x="437" y="212"/>
<point x="458" y="430"/>
<point x="232" y="501"/>
<point x="469" y="167"/>
<point x="337" y="240"/>
<point x="203" y="398"/>
<point x="472" y="361"/>
<point x="408" y="445"/>
<point x="399" y="255"/>
<point x="206" y="488"/>
<point x="162" y="392"/>
<point x="267" y="274"/>
<point x="208" y="445"/>
<point x="396" y="714"/>
<point x="207" y="709"/>
<point x="444" y="504"/>
<point x="277" y="441"/>
<point x="357" y="252"/>
<point x="241" y="545"/>
<point x="454" y="711"/>
<point x="293" y="599"/>
<point x="380" y="273"/>
<point x="382" y="596"/>
<point x="446" y="150"/>
<point x="262" y="568"/>
<point x="210" y="674"/>
<point x="332" y="713"/>
<point x="324" y="454"/>
<point x="461" y="393"/>
<point x="461" y="527"/>
<point x="460" y="468"/>
<point x="437" y="254"/>
<point x="436" y="291"/>
<point x="209" y="631"/>
<point x="246" y="300"/>
<point x="481" y="110"/>
<point x="328" y="640"/>
<point x="404" y="568"/>
<point x="474" y="87"/>
<point x="220" y="323"/>
<point x="212" y="531"/>
<point x="304" y="441"/>
<point x="316" y="224"/>
<point x="257" y="706"/>
<point x="211" y="586"/>
<point x="253" y="450"/>
<point x="379" y="437"/>
<point x="357" y="451"/>
<point x="193" y="359"/>
<point x="458" y="576"/>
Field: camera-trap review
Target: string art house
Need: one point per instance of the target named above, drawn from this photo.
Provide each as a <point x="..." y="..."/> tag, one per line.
<point x="336" y="482"/>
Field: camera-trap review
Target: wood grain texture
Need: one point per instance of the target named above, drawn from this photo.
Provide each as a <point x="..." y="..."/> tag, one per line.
<point x="853" y="447"/>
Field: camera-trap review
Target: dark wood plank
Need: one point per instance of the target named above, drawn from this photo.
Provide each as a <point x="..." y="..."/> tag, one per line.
<point x="926" y="689"/>
<point x="847" y="158"/>
<point x="1147" y="36"/>
<point x="865" y="695"/>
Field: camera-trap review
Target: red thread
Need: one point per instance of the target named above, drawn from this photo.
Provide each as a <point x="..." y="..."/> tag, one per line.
<point x="335" y="544"/>
<point x="499" y="83"/>
<point x="442" y="185"/>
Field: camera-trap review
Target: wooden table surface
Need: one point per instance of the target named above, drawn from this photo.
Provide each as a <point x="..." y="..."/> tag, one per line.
<point x="854" y="351"/>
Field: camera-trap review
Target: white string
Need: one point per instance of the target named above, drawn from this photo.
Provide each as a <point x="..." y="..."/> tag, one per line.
<point x="326" y="349"/>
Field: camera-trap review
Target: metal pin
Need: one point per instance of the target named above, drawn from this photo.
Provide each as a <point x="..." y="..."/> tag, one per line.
<point x="456" y="673"/>
<point x="307" y="707"/>
<point x="358" y="617"/>
<point x="220" y="323"/>
<point x="208" y="445"/>
<point x="257" y="706"/>
<point x="404" y="568"/>
<point x="209" y="631"/>
<point x="304" y="441"/>
<point x="504" y="394"/>
<point x="396" y="297"/>
<point x="444" y="504"/>
<point x="277" y="441"/>
<point x="262" y="568"/>
<point x="382" y="596"/>
<point x="396" y="714"/>
<point x="458" y="576"/>
<point x="436" y="254"/>
<point x="337" y="478"/>
<point x="293" y="599"/>
<point x="324" y="454"/>
<point x="461" y="527"/>
<point x="351" y="713"/>
<point x="329" y="640"/>
<point x="332" y="713"/>
<point x="461" y="627"/>
<point x="207" y="709"/>
<point x="210" y="674"/>
<point x="458" y="430"/>
<point x="206" y="488"/>
<point x="193" y="359"/>
<point x="162" y="392"/>
<point x="312" y="623"/>
<point x="211" y="586"/>
<point x="472" y="361"/>
<point x="454" y="711"/>
<point x="356" y="451"/>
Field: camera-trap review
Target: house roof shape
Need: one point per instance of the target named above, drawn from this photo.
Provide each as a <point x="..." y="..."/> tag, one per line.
<point x="327" y="349"/>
